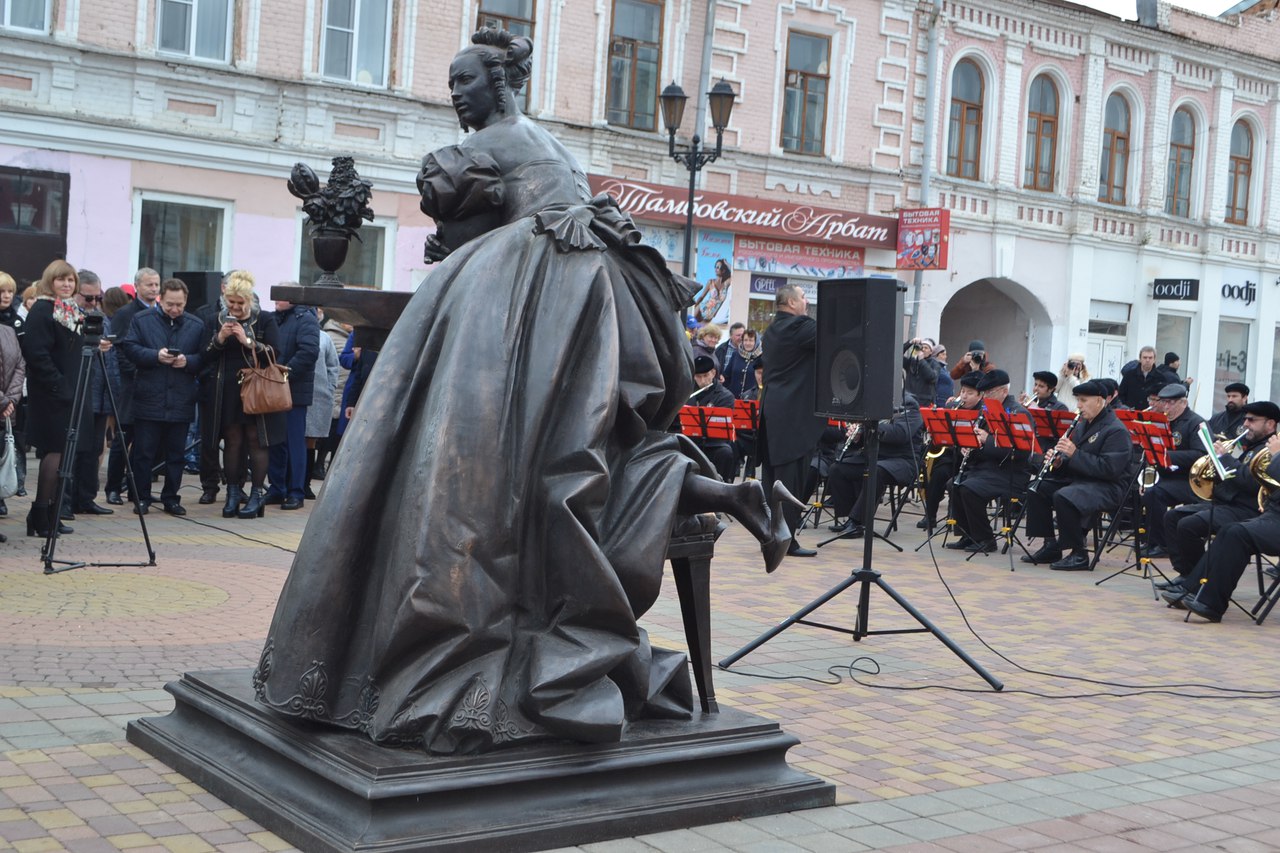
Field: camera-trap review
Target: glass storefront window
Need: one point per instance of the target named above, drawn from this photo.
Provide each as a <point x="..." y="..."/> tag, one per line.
<point x="174" y="236"/>
<point x="1232" y="360"/>
<point x="1173" y="334"/>
<point x="364" y="264"/>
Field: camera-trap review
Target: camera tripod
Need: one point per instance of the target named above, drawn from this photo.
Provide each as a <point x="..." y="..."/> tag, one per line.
<point x="47" y="551"/>
<point x="864" y="578"/>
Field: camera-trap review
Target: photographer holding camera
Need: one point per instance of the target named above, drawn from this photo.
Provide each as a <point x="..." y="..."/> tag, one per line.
<point x="1072" y="373"/>
<point x="920" y="369"/>
<point x="975" y="358"/>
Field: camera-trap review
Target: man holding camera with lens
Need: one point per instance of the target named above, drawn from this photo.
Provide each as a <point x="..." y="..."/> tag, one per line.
<point x="975" y="358"/>
<point x="920" y="369"/>
<point x="165" y="347"/>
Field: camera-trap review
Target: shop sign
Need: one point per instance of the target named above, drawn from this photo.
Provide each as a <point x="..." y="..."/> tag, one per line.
<point x="745" y="215"/>
<point x="1245" y="293"/>
<point x="924" y="236"/>
<point x="1180" y="289"/>
<point x="766" y="285"/>
<point x="783" y="257"/>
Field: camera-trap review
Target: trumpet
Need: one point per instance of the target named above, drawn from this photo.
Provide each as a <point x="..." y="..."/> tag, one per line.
<point x="1051" y="456"/>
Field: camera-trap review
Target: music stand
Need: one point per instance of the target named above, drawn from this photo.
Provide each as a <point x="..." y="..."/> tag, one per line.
<point x="864" y="577"/>
<point x="1051" y="425"/>
<point x="1150" y="432"/>
<point x="714" y="423"/>
<point x="870" y="483"/>
<point x="949" y="428"/>
<point x="1015" y="433"/>
<point x="746" y="417"/>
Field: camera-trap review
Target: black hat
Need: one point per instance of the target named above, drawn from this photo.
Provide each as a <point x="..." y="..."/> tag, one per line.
<point x="757" y="363"/>
<point x="992" y="379"/>
<point x="1238" y="388"/>
<point x="1173" y="391"/>
<point x="1109" y="385"/>
<point x="703" y="363"/>
<point x="1265" y="408"/>
<point x="1048" y="377"/>
<point x="976" y="346"/>
<point x="1170" y="358"/>
<point x="1092" y="388"/>
<point x="972" y="378"/>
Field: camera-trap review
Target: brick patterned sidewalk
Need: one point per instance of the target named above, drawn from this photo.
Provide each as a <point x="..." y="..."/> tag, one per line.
<point x="1154" y="761"/>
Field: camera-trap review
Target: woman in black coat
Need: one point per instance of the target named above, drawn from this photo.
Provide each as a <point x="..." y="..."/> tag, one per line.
<point x="234" y="336"/>
<point x="52" y="343"/>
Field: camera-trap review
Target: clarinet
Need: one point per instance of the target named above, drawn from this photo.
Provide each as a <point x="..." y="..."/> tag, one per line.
<point x="1050" y="456"/>
<point x="966" y="452"/>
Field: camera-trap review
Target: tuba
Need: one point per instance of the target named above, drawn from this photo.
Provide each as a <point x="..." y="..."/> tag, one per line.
<point x="1266" y="483"/>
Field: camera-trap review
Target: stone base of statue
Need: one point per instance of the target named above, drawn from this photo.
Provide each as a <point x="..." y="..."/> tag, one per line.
<point x="325" y="789"/>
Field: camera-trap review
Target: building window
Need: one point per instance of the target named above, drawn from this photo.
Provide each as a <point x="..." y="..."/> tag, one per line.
<point x="25" y="15"/>
<point x="366" y="262"/>
<point x="1232" y="359"/>
<point x="964" y="143"/>
<point x="1182" y="154"/>
<point x="1241" y="173"/>
<point x="33" y="220"/>
<point x="1113" y="174"/>
<point x="514" y="16"/>
<point x="1042" y="134"/>
<point x="804" y="105"/>
<point x="174" y="237"/>
<point x="356" y="36"/>
<point x="635" y="57"/>
<point x="198" y="28"/>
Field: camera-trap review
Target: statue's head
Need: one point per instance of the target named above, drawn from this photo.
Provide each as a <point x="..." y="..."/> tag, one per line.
<point x="484" y="77"/>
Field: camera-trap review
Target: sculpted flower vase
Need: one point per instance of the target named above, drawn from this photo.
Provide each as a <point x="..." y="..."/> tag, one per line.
<point x="330" y="250"/>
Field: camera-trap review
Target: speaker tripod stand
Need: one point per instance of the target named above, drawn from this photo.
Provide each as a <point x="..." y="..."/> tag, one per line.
<point x="864" y="578"/>
<point x="47" y="551"/>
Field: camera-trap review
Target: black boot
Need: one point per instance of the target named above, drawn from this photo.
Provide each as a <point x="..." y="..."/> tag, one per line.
<point x="234" y="495"/>
<point x="256" y="505"/>
<point x="38" y="521"/>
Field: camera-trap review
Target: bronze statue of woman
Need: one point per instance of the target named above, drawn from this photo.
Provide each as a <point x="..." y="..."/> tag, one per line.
<point x="497" y="517"/>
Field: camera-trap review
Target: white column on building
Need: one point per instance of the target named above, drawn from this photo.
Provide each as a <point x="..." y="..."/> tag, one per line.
<point x="1218" y="138"/>
<point x="1156" y="161"/>
<point x="1006" y="139"/>
<point x="1271" y="147"/>
<point x="1088" y="141"/>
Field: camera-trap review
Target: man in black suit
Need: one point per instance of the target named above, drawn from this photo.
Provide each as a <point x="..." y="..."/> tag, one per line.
<point x="1174" y="488"/>
<point x="1088" y="476"/>
<point x="146" y="287"/>
<point x="791" y="429"/>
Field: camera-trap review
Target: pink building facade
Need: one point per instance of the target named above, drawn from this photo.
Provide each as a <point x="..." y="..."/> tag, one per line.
<point x="1109" y="181"/>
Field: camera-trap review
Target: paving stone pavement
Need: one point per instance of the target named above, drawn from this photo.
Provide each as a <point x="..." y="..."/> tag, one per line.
<point x="1120" y="728"/>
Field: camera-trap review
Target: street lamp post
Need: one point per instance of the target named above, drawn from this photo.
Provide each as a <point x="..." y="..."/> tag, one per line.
<point x="693" y="157"/>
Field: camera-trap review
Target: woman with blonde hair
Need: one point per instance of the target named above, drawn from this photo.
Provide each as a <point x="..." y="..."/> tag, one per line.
<point x="52" y="341"/>
<point x="236" y="335"/>
<point x="1072" y="373"/>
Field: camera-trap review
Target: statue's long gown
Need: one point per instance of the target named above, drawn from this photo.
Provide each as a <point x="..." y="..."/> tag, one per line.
<point x="497" y="516"/>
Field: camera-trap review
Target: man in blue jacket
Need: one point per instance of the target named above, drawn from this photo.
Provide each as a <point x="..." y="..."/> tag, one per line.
<point x="299" y="347"/>
<point x="165" y="347"/>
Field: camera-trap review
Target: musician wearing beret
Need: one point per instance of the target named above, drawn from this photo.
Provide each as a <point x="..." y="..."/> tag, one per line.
<point x="1044" y="394"/>
<point x="1234" y="499"/>
<point x="1230" y="421"/>
<point x="1173" y="488"/>
<point x="897" y="463"/>
<point x="1207" y="590"/>
<point x="991" y="472"/>
<point x="1087" y="475"/>
<point x="710" y="393"/>
<point x="941" y="464"/>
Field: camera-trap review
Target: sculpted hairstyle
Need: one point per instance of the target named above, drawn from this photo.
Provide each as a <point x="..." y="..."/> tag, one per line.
<point x="508" y="58"/>
<point x="240" y="283"/>
<point x="57" y="269"/>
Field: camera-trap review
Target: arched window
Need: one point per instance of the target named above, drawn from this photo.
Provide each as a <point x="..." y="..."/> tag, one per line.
<point x="1113" y="173"/>
<point x="1241" y="172"/>
<point x="1182" y="156"/>
<point x="1042" y="134"/>
<point x="964" y="144"/>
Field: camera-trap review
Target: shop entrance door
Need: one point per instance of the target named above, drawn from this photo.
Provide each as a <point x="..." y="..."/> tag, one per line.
<point x="1105" y="356"/>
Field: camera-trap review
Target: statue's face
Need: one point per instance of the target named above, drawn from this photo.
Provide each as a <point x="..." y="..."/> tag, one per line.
<point x="474" y="100"/>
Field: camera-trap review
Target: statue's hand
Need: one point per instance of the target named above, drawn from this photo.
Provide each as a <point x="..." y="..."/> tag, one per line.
<point x="435" y="251"/>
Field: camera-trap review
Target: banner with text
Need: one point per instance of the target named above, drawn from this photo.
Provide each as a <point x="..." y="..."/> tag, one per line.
<point x="924" y="236"/>
<point x="781" y="257"/>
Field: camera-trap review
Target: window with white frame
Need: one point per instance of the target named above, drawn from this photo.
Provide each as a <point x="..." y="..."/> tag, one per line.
<point x="200" y="28"/>
<point x="178" y="235"/>
<point x="1241" y="174"/>
<point x="366" y="264"/>
<point x="357" y="37"/>
<point x="1113" y="173"/>
<point x="1182" y="155"/>
<point x="30" y="15"/>
<point x="964" y="140"/>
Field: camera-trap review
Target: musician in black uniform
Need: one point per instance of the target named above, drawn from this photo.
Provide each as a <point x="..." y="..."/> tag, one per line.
<point x="1087" y="476"/>
<point x="942" y="467"/>
<point x="748" y="448"/>
<point x="1043" y="394"/>
<point x="1232" y="550"/>
<point x="789" y="427"/>
<point x="991" y="472"/>
<point x="1230" y="421"/>
<point x="1173" y="488"/>
<point x="897" y="464"/>
<point x="710" y="393"/>
<point x="1235" y="499"/>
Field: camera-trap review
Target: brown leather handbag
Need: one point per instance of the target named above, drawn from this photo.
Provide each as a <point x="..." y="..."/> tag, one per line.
<point x="264" y="388"/>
